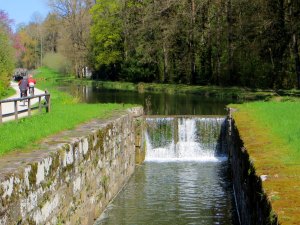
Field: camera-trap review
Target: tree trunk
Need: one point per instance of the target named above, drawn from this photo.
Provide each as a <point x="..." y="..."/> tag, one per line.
<point x="297" y="59"/>
<point x="166" y="64"/>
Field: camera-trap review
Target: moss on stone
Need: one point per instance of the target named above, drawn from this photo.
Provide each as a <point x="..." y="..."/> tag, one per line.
<point x="47" y="184"/>
<point x="44" y="200"/>
<point x="32" y="174"/>
<point x="55" y="163"/>
<point x="96" y="160"/>
<point x="100" y="144"/>
<point x="105" y="182"/>
<point x="90" y="140"/>
<point x="30" y="221"/>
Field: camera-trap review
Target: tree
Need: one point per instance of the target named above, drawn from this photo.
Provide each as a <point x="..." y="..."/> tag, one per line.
<point x="51" y="33"/>
<point x="106" y="35"/>
<point x="75" y="30"/>
<point x="223" y="42"/>
<point x="6" y="51"/>
<point x="293" y="25"/>
<point x="29" y="57"/>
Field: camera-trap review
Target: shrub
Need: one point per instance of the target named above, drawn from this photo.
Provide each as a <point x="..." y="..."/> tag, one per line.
<point x="57" y="62"/>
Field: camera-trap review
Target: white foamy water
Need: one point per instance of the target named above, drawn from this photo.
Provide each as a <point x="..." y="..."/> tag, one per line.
<point x="196" y="140"/>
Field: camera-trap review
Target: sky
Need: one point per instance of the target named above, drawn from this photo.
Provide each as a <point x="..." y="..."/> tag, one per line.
<point x="22" y="11"/>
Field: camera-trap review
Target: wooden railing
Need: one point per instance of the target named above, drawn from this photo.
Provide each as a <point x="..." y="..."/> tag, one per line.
<point x="16" y="112"/>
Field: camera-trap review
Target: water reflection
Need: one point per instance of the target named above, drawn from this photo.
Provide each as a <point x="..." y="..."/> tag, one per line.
<point x="154" y="103"/>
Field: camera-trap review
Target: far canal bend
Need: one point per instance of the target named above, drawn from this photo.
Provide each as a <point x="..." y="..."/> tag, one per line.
<point x="185" y="177"/>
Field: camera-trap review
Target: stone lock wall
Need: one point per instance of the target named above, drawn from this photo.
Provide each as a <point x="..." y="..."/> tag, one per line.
<point x="252" y="202"/>
<point x="73" y="176"/>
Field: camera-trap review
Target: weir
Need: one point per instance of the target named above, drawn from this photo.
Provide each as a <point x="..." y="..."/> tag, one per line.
<point x="184" y="138"/>
<point x="184" y="178"/>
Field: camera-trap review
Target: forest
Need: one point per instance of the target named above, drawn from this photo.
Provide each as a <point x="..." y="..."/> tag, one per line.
<point x="242" y="43"/>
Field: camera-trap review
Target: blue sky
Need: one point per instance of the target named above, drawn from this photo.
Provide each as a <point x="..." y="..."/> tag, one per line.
<point x="22" y="11"/>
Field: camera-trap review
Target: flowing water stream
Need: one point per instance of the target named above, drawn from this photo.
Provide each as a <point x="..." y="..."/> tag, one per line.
<point x="183" y="180"/>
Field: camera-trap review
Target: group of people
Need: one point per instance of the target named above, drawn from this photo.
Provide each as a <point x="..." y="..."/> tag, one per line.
<point x="25" y="85"/>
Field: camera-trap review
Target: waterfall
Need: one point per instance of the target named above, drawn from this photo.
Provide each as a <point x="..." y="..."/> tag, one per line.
<point x="184" y="139"/>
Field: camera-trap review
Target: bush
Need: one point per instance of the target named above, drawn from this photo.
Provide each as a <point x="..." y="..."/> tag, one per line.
<point x="6" y="59"/>
<point x="57" y="62"/>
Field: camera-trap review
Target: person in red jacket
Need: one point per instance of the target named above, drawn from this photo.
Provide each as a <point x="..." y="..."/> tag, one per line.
<point x="31" y="84"/>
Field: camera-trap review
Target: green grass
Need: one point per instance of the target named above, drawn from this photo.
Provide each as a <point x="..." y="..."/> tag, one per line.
<point x="280" y="119"/>
<point x="65" y="114"/>
<point x="7" y="93"/>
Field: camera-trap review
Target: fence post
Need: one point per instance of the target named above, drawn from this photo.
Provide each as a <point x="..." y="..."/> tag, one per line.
<point x="16" y="109"/>
<point x="40" y="105"/>
<point x="29" y="107"/>
<point x="0" y="112"/>
<point x="48" y="101"/>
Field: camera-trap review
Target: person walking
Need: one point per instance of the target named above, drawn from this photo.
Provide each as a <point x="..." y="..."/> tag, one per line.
<point x="31" y="84"/>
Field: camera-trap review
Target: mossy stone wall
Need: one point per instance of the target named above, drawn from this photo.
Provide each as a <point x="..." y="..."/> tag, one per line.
<point x="252" y="202"/>
<point x="73" y="175"/>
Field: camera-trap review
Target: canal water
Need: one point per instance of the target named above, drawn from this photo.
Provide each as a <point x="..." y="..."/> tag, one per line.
<point x="183" y="180"/>
<point x="185" y="177"/>
<point x="154" y="103"/>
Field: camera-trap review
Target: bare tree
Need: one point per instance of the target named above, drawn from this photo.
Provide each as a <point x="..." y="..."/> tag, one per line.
<point x="75" y="30"/>
<point x="37" y="21"/>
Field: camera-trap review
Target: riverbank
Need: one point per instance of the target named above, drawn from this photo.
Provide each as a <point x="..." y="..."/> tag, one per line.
<point x="270" y="132"/>
<point x="25" y="134"/>
<point x="236" y="93"/>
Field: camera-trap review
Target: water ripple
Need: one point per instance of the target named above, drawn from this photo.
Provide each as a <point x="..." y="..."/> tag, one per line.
<point x="173" y="193"/>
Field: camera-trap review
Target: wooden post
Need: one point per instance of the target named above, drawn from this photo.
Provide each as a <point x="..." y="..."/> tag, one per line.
<point x="40" y="104"/>
<point x="0" y="112"/>
<point x="48" y="101"/>
<point x="49" y="104"/>
<point x="29" y="107"/>
<point x="16" y="109"/>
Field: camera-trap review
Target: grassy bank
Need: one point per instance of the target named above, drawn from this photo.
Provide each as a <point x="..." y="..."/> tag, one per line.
<point x="66" y="114"/>
<point x="271" y="135"/>
<point x="7" y="93"/>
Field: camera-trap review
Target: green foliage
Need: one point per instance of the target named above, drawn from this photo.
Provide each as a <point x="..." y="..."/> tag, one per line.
<point x="240" y="43"/>
<point x="7" y="93"/>
<point x="57" y="62"/>
<point x="66" y="114"/>
<point x="135" y="71"/>
<point x="6" y="59"/>
<point x="106" y="32"/>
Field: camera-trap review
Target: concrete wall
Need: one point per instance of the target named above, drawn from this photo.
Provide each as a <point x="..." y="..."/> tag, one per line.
<point x="252" y="202"/>
<point x="73" y="176"/>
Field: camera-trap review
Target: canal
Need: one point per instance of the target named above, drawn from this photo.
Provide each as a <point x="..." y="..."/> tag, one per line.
<point x="185" y="178"/>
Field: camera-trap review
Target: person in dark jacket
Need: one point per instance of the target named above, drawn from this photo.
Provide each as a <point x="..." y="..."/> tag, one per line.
<point x="23" y="86"/>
